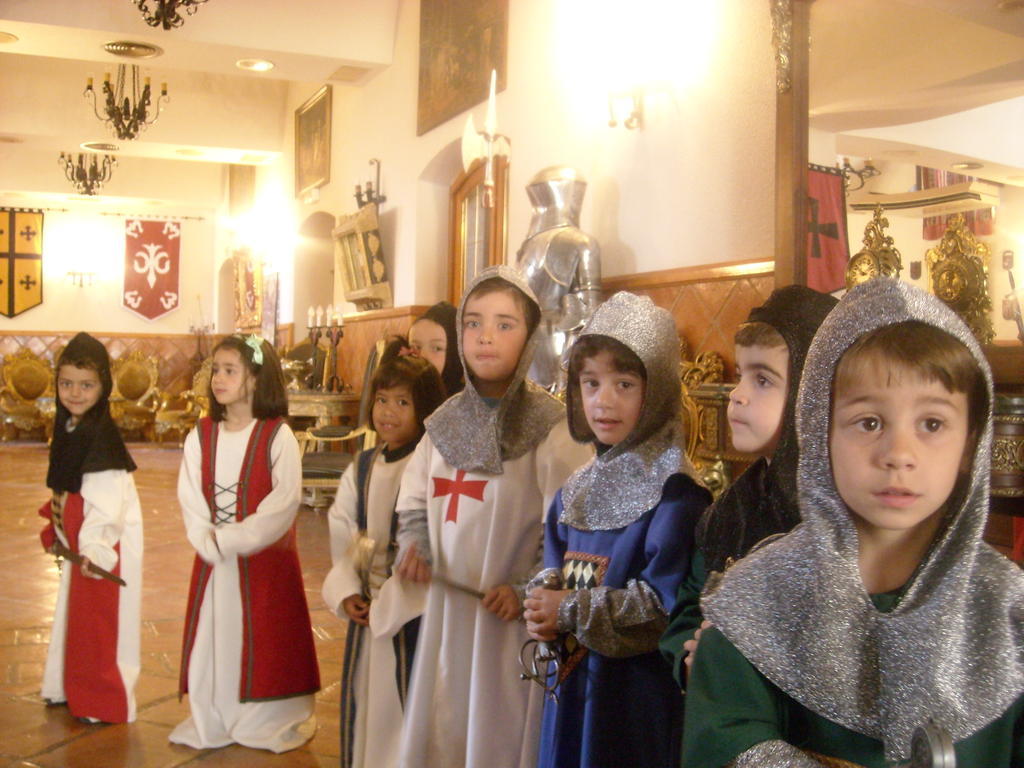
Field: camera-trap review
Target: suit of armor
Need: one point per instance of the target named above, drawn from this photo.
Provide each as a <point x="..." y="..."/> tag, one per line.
<point x="562" y="264"/>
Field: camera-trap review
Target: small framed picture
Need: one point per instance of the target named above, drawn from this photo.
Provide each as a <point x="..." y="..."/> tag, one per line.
<point x="313" y="142"/>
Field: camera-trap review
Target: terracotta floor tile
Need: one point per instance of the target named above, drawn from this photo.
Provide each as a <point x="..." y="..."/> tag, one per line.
<point x="35" y="736"/>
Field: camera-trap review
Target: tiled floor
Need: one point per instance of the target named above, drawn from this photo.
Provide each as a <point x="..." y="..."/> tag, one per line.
<point x="32" y="734"/>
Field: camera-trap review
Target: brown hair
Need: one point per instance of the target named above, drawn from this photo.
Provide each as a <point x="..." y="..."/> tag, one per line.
<point x="758" y="334"/>
<point x="525" y="304"/>
<point x="269" y="399"/>
<point x="420" y="376"/>
<point x="916" y="347"/>
<point x="624" y="359"/>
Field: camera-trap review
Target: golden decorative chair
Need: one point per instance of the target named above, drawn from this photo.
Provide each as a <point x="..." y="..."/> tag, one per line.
<point x="178" y="413"/>
<point x="702" y="416"/>
<point x="26" y="398"/>
<point x="135" y="399"/>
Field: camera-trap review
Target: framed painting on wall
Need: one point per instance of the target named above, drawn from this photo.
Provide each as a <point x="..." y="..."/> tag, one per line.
<point x="461" y="41"/>
<point x="248" y="292"/>
<point x="313" y="142"/>
<point x="476" y="233"/>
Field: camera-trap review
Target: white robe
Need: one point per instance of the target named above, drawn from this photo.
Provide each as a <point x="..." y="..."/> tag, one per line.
<point x="467" y="705"/>
<point x="112" y="514"/>
<point x="378" y="724"/>
<point x="218" y="717"/>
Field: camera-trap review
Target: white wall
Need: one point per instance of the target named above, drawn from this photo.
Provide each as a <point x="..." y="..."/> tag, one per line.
<point x="693" y="186"/>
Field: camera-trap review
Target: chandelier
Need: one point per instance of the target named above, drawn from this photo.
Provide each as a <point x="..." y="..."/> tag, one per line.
<point x="87" y="178"/>
<point x="165" y="14"/>
<point x="126" y="107"/>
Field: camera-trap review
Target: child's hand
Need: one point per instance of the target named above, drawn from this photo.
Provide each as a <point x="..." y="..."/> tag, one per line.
<point x="413" y="567"/>
<point x="541" y="613"/>
<point x="87" y="569"/>
<point x="690" y="646"/>
<point x="357" y="609"/>
<point x="502" y="602"/>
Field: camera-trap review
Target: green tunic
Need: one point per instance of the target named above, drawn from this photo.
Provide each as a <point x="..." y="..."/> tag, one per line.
<point x="730" y="707"/>
<point x="685" y="618"/>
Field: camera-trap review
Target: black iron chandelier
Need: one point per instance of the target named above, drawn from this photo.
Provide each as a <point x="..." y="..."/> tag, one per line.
<point x="126" y="106"/>
<point x="165" y="13"/>
<point x="87" y="178"/>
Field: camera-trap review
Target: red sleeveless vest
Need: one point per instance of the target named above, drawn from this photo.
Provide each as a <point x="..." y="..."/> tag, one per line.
<point x="278" y="654"/>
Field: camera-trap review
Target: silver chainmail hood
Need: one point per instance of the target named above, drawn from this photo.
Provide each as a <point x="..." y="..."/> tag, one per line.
<point x="618" y="486"/>
<point x="797" y="608"/>
<point x="473" y="436"/>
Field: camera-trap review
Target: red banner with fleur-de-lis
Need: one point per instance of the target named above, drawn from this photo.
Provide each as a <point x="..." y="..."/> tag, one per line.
<point x="151" y="260"/>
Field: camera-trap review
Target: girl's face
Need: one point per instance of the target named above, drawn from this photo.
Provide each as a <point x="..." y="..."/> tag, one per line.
<point x="394" y="416"/>
<point x="429" y="341"/>
<point x="79" y="390"/>
<point x="230" y="381"/>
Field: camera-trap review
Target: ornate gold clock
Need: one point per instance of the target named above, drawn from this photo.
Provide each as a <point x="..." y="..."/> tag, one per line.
<point x="958" y="270"/>
<point x="878" y="257"/>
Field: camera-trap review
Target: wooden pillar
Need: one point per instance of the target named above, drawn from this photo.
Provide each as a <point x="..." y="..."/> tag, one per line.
<point x="791" y="35"/>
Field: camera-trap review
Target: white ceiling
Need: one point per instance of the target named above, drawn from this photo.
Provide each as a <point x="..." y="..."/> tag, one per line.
<point x="876" y="66"/>
<point x="930" y="82"/>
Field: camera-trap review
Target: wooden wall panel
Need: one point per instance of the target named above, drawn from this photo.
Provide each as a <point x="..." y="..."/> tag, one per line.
<point x="362" y="330"/>
<point x="708" y="302"/>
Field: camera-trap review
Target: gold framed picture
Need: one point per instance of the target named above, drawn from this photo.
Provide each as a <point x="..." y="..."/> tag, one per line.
<point x="313" y="142"/>
<point x="477" y="233"/>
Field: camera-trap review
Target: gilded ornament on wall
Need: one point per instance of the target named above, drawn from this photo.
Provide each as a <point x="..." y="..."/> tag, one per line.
<point x="879" y="257"/>
<point x="958" y="274"/>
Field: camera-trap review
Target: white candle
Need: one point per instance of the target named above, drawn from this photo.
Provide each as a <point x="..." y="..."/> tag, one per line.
<point x="309" y="317"/>
<point x="329" y="314"/>
<point x="491" y="118"/>
<point x="319" y="315"/>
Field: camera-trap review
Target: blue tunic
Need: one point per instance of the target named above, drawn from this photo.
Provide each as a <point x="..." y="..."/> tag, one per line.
<point x="621" y="711"/>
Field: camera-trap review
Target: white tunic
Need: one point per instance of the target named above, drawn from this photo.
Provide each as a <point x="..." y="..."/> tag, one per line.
<point x="218" y="717"/>
<point x="467" y="705"/>
<point x="112" y="514"/>
<point x="378" y="724"/>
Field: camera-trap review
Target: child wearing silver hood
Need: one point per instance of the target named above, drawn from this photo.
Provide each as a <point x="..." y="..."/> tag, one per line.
<point x="883" y="610"/>
<point x="619" y="535"/>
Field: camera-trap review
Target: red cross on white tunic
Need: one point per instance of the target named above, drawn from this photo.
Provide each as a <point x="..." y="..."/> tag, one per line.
<point x="458" y="487"/>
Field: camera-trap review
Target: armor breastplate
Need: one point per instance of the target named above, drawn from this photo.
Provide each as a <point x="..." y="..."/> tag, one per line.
<point x="552" y="263"/>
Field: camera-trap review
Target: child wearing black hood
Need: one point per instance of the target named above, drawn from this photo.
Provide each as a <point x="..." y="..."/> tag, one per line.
<point x="770" y="351"/>
<point x="95" y="529"/>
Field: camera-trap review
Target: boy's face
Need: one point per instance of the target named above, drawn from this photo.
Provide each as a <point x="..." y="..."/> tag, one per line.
<point x="611" y="399"/>
<point x="897" y="448"/>
<point x="758" y="401"/>
<point x="429" y="341"/>
<point x="394" y="416"/>
<point x="79" y="390"/>
<point x="493" y="337"/>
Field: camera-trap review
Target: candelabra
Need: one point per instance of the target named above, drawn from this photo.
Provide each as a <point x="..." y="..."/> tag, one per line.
<point x="333" y="331"/>
<point x="201" y="332"/>
<point x="87" y="178"/>
<point x="126" y="108"/>
<point x="371" y="194"/>
<point x="165" y="14"/>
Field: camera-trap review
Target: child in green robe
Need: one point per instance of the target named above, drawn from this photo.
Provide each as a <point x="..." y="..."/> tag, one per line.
<point x="883" y="610"/>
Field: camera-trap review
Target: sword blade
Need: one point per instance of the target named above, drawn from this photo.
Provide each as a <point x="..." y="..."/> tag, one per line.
<point x="62" y="551"/>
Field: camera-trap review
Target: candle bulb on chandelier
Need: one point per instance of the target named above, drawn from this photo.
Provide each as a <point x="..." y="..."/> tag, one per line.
<point x="319" y="315"/>
<point x="309" y="317"/>
<point x="106" y="77"/>
<point x="328" y="314"/>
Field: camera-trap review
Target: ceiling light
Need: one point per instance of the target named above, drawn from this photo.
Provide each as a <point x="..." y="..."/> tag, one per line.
<point x="130" y="49"/>
<point x="87" y="177"/>
<point x="99" y="146"/>
<point x="967" y="166"/>
<point x="126" y="104"/>
<point x="255" y="65"/>
<point x="7" y="37"/>
<point x="165" y="14"/>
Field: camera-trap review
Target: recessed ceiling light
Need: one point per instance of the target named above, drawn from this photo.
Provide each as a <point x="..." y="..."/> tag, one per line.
<point x="967" y="166"/>
<point x="99" y="146"/>
<point x="255" y="65"/>
<point x="187" y="152"/>
<point x="131" y="49"/>
<point x="7" y="37"/>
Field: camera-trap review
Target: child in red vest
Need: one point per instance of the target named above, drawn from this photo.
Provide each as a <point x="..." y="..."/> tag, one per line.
<point x="248" y="660"/>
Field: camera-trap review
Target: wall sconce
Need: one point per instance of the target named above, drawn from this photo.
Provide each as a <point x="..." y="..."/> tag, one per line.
<point x="865" y="173"/>
<point x="626" y="108"/>
<point x="371" y="195"/>
<point x="81" y="279"/>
